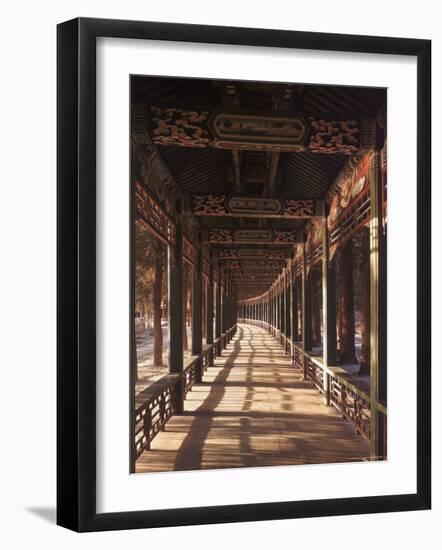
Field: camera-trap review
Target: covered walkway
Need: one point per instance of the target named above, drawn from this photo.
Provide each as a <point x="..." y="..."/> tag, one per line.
<point x="259" y="235"/>
<point x="253" y="408"/>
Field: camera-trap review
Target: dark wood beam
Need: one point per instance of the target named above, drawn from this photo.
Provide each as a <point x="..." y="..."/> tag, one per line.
<point x="237" y="184"/>
<point x="255" y="253"/>
<point x="270" y="188"/>
<point x="255" y="236"/>
<point x="179" y="126"/>
<point x="254" y="265"/>
<point x="254" y="207"/>
<point x="175" y="289"/>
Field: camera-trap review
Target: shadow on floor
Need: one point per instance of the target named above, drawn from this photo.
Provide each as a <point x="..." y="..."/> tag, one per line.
<point x="47" y="513"/>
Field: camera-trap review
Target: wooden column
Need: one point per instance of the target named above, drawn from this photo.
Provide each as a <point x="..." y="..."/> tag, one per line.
<point x="269" y="309"/>
<point x="306" y="306"/>
<point x="276" y="308"/>
<point x="197" y="310"/>
<point x="306" y="311"/>
<point x="218" y="305"/>
<point x="346" y="304"/>
<point x="377" y="315"/>
<point x="175" y="290"/>
<point x="328" y="310"/>
<point x="209" y="305"/>
<point x="224" y="307"/>
<point x="232" y="305"/>
<point x="290" y="308"/>
<point x="277" y="326"/>
<point x="295" y="328"/>
<point x="210" y="308"/>
<point x="273" y="310"/>
<point x="287" y="305"/>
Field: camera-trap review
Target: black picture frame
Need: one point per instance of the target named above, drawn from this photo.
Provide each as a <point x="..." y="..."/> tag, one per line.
<point x="76" y="272"/>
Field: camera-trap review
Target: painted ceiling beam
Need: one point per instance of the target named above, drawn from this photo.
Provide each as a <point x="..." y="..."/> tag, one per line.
<point x="254" y="207"/>
<point x="242" y="130"/>
<point x="255" y="236"/>
<point x="254" y="253"/>
<point x="253" y="265"/>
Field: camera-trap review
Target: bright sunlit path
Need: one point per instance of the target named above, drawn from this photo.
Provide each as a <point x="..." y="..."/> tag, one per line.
<point x="253" y="409"/>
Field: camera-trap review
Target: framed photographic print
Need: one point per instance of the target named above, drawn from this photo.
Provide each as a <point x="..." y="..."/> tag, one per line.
<point x="243" y="274"/>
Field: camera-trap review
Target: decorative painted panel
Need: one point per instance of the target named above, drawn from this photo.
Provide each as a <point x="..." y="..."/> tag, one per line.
<point x="186" y="128"/>
<point x="313" y="243"/>
<point x="252" y="236"/>
<point x="254" y="253"/>
<point x="223" y="205"/>
<point x="206" y="266"/>
<point x="253" y="265"/>
<point x="189" y="251"/>
<point x="341" y="136"/>
<point x="153" y="215"/>
<point x="256" y="132"/>
<point x="350" y="204"/>
<point x="242" y="131"/>
<point x="334" y="136"/>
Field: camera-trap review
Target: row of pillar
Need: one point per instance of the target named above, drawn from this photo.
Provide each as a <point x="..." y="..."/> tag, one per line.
<point x="223" y="309"/>
<point x="279" y="309"/>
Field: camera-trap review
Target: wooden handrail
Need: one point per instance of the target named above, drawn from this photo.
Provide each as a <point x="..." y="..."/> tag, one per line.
<point x="158" y="402"/>
<point x="153" y="408"/>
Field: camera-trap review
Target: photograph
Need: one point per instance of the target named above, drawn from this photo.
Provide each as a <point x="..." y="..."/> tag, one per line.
<point x="220" y="256"/>
<point x="258" y="273"/>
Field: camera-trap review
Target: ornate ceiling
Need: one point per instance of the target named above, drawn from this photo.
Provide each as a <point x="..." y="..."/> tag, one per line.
<point x="254" y="159"/>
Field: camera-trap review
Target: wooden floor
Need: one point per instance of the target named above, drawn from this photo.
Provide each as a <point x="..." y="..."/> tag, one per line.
<point x="253" y="409"/>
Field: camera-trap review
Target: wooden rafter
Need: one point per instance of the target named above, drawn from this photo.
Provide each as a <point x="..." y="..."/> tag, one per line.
<point x="236" y="160"/>
<point x="270" y="187"/>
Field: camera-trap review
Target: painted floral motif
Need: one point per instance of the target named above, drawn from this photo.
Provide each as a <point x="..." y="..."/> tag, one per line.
<point x="181" y="127"/>
<point x="314" y="234"/>
<point x="352" y="182"/>
<point x="233" y="264"/>
<point x="298" y="208"/>
<point x="334" y="136"/>
<point x="221" y="236"/>
<point x="253" y="254"/>
<point x="208" y="205"/>
<point x="284" y="237"/>
<point x="228" y="254"/>
<point x="148" y="209"/>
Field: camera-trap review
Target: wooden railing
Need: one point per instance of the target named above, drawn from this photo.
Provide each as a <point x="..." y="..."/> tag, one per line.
<point x="354" y="405"/>
<point x="157" y="403"/>
<point x="153" y="408"/>
<point x="351" y="401"/>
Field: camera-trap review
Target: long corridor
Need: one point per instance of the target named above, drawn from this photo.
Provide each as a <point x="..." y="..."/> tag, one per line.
<point x="253" y="409"/>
